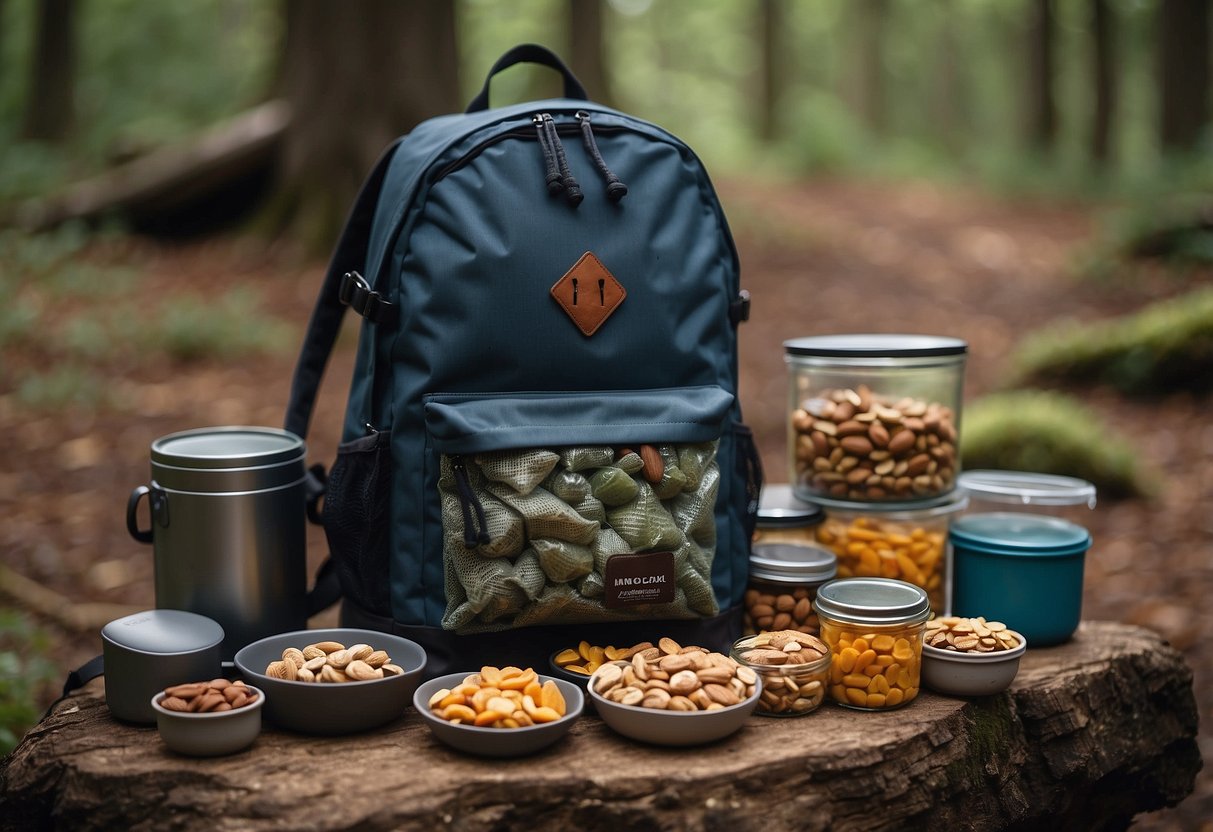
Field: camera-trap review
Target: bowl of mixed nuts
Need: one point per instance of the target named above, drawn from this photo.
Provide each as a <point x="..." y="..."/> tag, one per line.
<point x="675" y="695"/>
<point x="208" y="719"/>
<point x="333" y="681"/>
<point x="970" y="656"/>
<point x="499" y="711"/>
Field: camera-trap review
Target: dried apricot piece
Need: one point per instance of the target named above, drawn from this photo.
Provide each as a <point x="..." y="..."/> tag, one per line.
<point x="567" y="657"/>
<point x="553" y="698"/>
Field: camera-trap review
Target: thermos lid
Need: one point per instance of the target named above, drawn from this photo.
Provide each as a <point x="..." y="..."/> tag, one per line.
<point x="779" y="508"/>
<point x="875" y="346"/>
<point x="792" y="563"/>
<point x="873" y="601"/>
<point x="1016" y="533"/>
<point x="1023" y="488"/>
<point x="227" y="447"/>
<point x="163" y="632"/>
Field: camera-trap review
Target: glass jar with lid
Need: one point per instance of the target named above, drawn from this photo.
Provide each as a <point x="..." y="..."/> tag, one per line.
<point x="787" y="565"/>
<point x="873" y="627"/>
<point x="874" y="418"/>
<point x="1069" y="498"/>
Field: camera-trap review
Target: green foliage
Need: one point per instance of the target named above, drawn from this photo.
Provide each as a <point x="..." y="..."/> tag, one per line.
<point x="1035" y="430"/>
<point x="230" y="326"/>
<point x="1166" y="347"/>
<point x="26" y="677"/>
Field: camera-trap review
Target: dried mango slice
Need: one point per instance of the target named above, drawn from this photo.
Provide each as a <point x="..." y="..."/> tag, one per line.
<point x="551" y="697"/>
<point x="567" y="657"/>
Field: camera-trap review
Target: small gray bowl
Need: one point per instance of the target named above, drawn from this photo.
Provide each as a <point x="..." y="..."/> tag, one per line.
<point x="659" y="727"/>
<point x="970" y="674"/>
<point x="211" y="734"/>
<point x="330" y="709"/>
<point x="497" y="742"/>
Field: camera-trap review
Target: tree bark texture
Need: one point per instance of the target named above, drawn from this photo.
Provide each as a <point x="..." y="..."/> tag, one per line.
<point x="1183" y="72"/>
<point x="1103" y="54"/>
<point x="1091" y="733"/>
<point x="587" y="57"/>
<point x="356" y="75"/>
<point x="49" y="105"/>
<point x="1041" y="103"/>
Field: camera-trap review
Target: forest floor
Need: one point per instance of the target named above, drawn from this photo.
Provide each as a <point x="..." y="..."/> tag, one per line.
<point x="818" y="257"/>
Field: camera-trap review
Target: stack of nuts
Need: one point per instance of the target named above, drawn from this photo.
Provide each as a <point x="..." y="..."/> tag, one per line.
<point x="206" y="697"/>
<point x="588" y="657"/>
<point x="506" y="697"/>
<point x="854" y="444"/>
<point x="331" y="661"/>
<point x="794" y="668"/>
<point x="970" y="635"/>
<point x="675" y="678"/>
<point x="874" y="670"/>
<point x="791" y="609"/>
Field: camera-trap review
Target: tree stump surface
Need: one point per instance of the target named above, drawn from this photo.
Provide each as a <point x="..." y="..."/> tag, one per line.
<point x="1091" y="733"/>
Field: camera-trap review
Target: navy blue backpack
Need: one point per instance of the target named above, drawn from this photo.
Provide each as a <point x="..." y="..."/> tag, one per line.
<point x="543" y="441"/>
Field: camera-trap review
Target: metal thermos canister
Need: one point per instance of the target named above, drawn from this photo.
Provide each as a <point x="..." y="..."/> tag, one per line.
<point x="228" y="512"/>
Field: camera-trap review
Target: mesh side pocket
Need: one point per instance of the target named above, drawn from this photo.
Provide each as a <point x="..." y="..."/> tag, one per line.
<point x="356" y="519"/>
<point x="749" y="471"/>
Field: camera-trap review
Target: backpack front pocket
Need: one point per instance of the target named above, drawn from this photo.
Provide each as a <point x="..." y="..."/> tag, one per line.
<point x="578" y="507"/>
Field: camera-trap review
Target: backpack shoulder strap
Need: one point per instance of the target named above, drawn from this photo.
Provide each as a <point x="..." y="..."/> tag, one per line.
<point x="335" y="295"/>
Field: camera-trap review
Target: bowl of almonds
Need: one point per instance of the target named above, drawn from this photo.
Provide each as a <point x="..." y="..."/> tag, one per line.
<point x="499" y="711"/>
<point x="333" y="681"/>
<point x="970" y="656"/>
<point x="675" y="695"/>
<point x="208" y="719"/>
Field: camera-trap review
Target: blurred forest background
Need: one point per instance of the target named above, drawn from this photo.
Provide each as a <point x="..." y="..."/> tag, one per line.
<point x="1035" y="176"/>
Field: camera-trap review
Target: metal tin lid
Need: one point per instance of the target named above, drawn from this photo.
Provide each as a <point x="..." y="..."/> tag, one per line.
<point x="873" y="601"/>
<point x="1024" y="488"/>
<point x="792" y="563"/>
<point x="163" y="632"/>
<point x="876" y="346"/>
<point x="227" y="447"/>
<point x="1013" y="533"/>
<point x="779" y="508"/>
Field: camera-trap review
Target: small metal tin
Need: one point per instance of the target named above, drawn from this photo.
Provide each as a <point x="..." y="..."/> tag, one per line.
<point x="873" y="601"/>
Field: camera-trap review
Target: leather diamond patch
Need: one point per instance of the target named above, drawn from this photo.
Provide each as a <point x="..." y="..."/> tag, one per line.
<point x="588" y="293"/>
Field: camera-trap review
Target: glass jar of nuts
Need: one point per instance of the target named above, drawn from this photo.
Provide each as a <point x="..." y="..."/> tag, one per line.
<point x="874" y="628"/>
<point x="794" y="667"/>
<point x="874" y="418"/>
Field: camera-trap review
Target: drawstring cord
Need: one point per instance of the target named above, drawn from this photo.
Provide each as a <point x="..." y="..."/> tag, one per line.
<point x="552" y="179"/>
<point x="572" y="191"/>
<point x="616" y="190"/>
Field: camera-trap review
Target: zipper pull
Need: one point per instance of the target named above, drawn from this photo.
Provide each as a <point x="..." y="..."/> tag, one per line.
<point x="572" y="191"/>
<point x="616" y="190"/>
<point x="468" y="503"/>
<point x="552" y="179"/>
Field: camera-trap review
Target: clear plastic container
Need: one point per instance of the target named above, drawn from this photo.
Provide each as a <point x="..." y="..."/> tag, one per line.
<point x="794" y="688"/>
<point x="874" y="418"/>
<point x="874" y="627"/>
<point x="1069" y="498"/>
<point x="905" y="544"/>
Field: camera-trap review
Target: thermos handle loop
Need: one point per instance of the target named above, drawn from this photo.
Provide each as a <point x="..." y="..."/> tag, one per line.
<point x="132" y="520"/>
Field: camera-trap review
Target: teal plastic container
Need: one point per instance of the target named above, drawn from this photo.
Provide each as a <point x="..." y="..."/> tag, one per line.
<point x="1021" y="569"/>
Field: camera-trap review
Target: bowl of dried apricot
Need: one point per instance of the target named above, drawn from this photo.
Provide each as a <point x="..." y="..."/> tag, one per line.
<point x="499" y="712"/>
<point x="675" y="695"/>
<point x="970" y="656"/>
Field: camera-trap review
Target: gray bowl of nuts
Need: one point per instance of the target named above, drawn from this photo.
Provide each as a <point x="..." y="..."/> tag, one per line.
<point x="674" y="695"/>
<point x="333" y="681"/>
<point x="208" y="719"/>
<point x="970" y="656"/>
<point x="794" y="668"/>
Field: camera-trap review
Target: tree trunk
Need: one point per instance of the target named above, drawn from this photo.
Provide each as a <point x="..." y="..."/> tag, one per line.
<point x="49" y="106"/>
<point x="871" y="84"/>
<point x="586" y="57"/>
<point x="1103" y="37"/>
<point x="948" y="100"/>
<point x="1183" y="72"/>
<point x="1042" y="107"/>
<point x="772" y="21"/>
<point x="356" y="75"/>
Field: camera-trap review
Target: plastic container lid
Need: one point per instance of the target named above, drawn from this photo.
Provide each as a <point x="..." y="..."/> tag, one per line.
<point x="876" y="346"/>
<point x="1023" y="488"/>
<point x="227" y="447"/>
<point x="1010" y="533"/>
<point x="163" y="632"/>
<point x="779" y="508"/>
<point x="873" y="601"/>
<point x="950" y="503"/>
<point x="792" y="563"/>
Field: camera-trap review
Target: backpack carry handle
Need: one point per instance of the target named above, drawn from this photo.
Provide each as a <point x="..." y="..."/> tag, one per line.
<point x="529" y="53"/>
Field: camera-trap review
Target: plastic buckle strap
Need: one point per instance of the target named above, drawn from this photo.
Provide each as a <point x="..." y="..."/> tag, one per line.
<point x="739" y="309"/>
<point x="357" y="294"/>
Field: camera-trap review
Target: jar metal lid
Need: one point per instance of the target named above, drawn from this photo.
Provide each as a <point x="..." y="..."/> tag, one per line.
<point x="792" y="563"/>
<point x="163" y="632"/>
<point x="876" y="346"/>
<point x="873" y="601"/>
<point x="778" y="507"/>
<point x="1014" y="533"/>
<point x="1024" y="488"/>
<point x="227" y="447"/>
